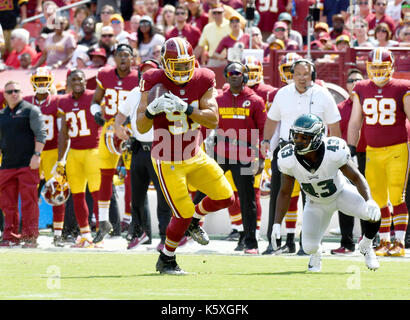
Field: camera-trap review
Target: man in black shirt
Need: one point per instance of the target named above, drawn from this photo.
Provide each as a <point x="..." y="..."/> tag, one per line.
<point x="22" y="139"/>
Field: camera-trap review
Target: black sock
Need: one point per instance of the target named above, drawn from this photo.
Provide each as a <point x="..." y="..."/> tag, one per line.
<point x="195" y="221"/>
<point x="371" y="228"/>
<point x="290" y="238"/>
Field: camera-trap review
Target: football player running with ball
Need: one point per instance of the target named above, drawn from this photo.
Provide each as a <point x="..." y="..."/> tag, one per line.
<point x="321" y="166"/>
<point x="178" y="160"/>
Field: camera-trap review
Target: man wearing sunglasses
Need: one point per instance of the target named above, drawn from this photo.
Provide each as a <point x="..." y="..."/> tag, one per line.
<point x="242" y="116"/>
<point x="211" y="35"/>
<point x="22" y="138"/>
<point x="280" y="31"/>
<point x="381" y="16"/>
<point x="107" y="42"/>
<point x="184" y="29"/>
<point x="346" y="222"/>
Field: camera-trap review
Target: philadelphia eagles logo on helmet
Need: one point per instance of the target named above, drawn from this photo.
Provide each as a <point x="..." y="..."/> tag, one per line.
<point x="308" y="125"/>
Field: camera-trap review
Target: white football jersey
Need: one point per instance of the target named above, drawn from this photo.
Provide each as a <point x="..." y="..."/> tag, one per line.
<point x="321" y="185"/>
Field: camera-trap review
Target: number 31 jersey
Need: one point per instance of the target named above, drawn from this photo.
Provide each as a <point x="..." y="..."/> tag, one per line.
<point x="383" y="110"/>
<point x="323" y="184"/>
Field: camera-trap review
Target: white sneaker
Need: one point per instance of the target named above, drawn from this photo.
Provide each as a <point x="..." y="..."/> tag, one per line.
<point x="369" y="255"/>
<point x="315" y="262"/>
<point x="335" y="231"/>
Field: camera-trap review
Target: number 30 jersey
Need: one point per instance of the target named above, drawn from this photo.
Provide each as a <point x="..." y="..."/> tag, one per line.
<point x="323" y="184"/>
<point x="383" y="110"/>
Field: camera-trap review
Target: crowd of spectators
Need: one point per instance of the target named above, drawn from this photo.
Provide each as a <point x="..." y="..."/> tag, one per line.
<point x="72" y="37"/>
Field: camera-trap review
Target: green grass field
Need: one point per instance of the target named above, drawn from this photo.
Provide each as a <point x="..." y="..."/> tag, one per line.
<point x="91" y="275"/>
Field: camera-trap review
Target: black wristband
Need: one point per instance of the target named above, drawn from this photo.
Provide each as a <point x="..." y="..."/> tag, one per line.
<point x="265" y="140"/>
<point x="352" y="150"/>
<point x="148" y="114"/>
<point x="36" y="153"/>
<point x="189" y="110"/>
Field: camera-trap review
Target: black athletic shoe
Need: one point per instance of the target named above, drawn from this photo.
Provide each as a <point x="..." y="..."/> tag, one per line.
<point x="241" y="242"/>
<point x="104" y="228"/>
<point x="198" y="234"/>
<point x="269" y="250"/>
<point x="168" y="265"/>
<point x="287" y="249"/>
<point x="301" y="252"/>
<point x="58" y="241"/>
<point x="233" y="236"/>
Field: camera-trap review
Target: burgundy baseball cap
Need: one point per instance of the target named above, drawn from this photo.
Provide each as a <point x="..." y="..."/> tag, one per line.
<point x="99" y="52"/>
<point x="148" y="63"/>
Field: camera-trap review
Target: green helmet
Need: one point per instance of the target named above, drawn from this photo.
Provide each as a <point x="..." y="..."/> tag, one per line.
<point x="309" y="125"/>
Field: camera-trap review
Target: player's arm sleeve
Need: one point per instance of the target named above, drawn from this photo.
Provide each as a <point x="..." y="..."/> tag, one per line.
<point x="260" y="117"/>
<point x="285" y="165"/>
<point x="342" y="154"/>
<point x="37" y="125"/>
<point x="331" y="112"/>
<point x="274" y="110"/>
<point x="130" y="104"/>
<point x="99" y="79"/>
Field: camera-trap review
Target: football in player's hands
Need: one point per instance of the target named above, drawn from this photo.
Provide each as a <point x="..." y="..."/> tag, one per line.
<point x="156" y="91"/>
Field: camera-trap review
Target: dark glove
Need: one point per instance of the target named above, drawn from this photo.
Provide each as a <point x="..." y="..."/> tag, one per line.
<point x="353" y="151"/>
<point x="99" y="119"/>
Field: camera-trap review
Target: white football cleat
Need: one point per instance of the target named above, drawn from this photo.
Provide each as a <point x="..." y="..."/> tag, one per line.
<point x="315" y="262"/>
<point x="366" y="249"/>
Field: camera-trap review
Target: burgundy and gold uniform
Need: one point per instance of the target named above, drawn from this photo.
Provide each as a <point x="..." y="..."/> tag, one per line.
<point x="49" y="110"/>
<point x="178" y="158"/>
<point x="384" y="122"/>
<point x="84" y="132"/>
<point x="49" y="156"/>
<point x="82" y="166"/>
<point x="387" y="151"/>
<point x="184" y="140"/>
<point x="116" y="90"/>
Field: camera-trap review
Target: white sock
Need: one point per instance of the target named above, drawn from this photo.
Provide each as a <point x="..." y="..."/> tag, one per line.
<point x="168" y="253"/>
<point x="400" y="235"/>
<point x="103" y="210"/>
<point x="367" y="242"/>
<point x="385" y="236"/>
<point x="237" y="227"/>
<point x="58" y="232"/>
<point x="87" y="236"/>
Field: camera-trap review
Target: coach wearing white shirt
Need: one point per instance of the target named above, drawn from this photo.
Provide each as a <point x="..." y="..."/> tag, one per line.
<point x="300" y="97"/>
<point x="142" y="170"/>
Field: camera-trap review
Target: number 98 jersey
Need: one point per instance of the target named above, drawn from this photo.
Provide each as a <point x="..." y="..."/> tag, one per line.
<point x="323" y="184"/>
<point x="383" y="110"/>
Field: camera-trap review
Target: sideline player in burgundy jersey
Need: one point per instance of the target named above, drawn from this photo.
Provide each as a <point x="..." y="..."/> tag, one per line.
<point x="82" y="167"/>
<point x="113" y="86"/>
<point x="176" y="154"/>
<point x="42" y="80"/>
<point x="382" y="104"/>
